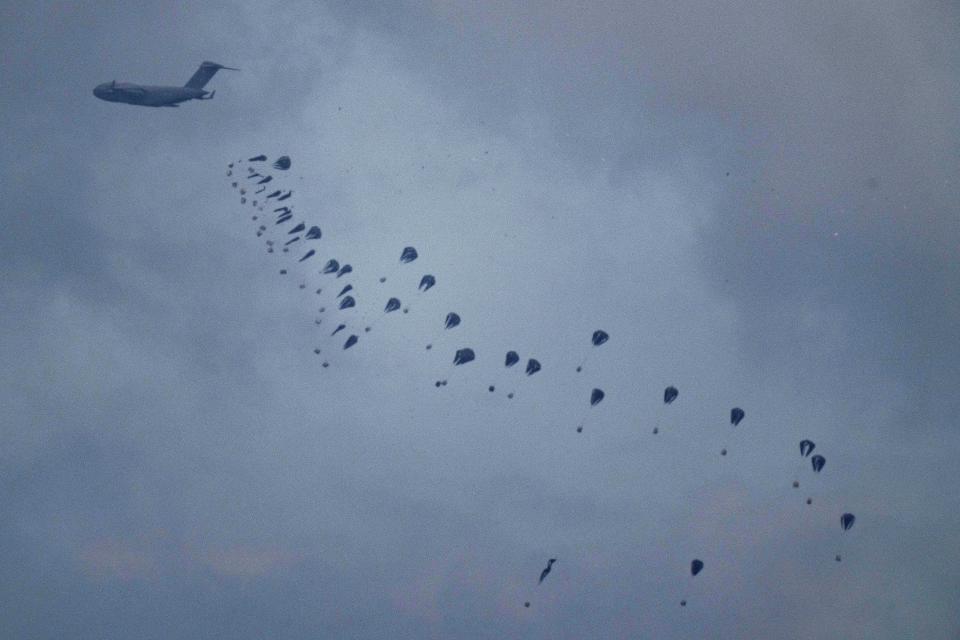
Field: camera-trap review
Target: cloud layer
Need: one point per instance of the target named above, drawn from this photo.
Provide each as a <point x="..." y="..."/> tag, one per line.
<point x="759" y="206"/>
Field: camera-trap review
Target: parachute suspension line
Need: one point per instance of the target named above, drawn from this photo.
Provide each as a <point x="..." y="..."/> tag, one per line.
<point x="461" y="357"/>
<point x="596" y="397"/>
<point x="583" y="363"/>
<point x="451" y="321"/>
<point x="582" y="420"/>
<point x="736" y="417"/>
<point x="696" y="566"/>
<point x="598" y="338"/>
<point x="392" y="305"/>
<point x="426" y="283"/>
<point x="408" y="255"/>
<point x="797" y="470"/>
<point x="669" y="395"/>
<point x="846" y="523"/>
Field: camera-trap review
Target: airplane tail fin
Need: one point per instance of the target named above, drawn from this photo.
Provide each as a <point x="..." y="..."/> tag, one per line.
<point x="203" y="74"/>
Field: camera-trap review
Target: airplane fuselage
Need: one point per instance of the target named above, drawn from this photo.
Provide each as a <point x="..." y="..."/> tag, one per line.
<point x="147" y="96"/>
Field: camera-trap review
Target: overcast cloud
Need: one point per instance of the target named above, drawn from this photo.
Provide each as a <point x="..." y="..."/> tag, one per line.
<point x="758" y="204"/>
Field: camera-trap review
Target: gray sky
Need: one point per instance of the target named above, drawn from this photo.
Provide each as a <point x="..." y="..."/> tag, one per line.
<point x="759" y="205"/>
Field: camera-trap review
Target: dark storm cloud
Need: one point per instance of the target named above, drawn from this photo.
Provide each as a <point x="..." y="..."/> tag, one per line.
<point x="177" y="465"/>
<point x="837" y="125"/>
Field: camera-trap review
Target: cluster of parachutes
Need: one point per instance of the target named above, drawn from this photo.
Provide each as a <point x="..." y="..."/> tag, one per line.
<point x="300" y="234"/>
<point x="286" y="233"/>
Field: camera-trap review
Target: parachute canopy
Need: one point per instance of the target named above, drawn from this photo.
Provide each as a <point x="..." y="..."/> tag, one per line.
<point x="596" y="396"/>
<point x="696" y="567"/>
<point x="308" y="254"/>
<point x="260" y="158"/>
<point x="297" y="229"/>
<point x="282" y="163"/>
<point x="599" y="337"/>
<point x="426" y="282"/>
<point x="847" y="520"/>
<point x="340" y="327"/>
<point x="344" y="270"/>
<point x="332" y="266"/>
<point x="392" y="305"/>
<point x="512" y="359"/>
<point x="463" y="356"/>
<point x="348" y="302"/>
<point x="670" y="394"/>
<point x="451" y="321"/>
<point x="409" y="254"/>
<point x="817" y="462"/>
<point x="352" y="340"/>
<point x="736" y="415"/>
<point x="532" y="366"/>
<point x="314" y="233"/>
<point x="346" y="289"/>
<point x="806" y="447"/>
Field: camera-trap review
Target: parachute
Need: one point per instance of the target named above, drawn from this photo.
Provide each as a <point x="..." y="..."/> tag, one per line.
<point x="332" y="266"/>
<point x="596" y="396"/>
<point x="817" y="462"/>
<point x="736" y="415"/>
<point x="282" y="163"/>
<point x="598" y="338"/>
<point x="426" y="282"/>
<point x="340" y="327"/>
<point x="308" y="254"/>
<point x="696" y="567"/>
<point x="260" y="158"/>
<point x="670" y="394"/>
<point x="314" y="233"/>
<point x="392" y="305"/>
<point x="409" y="254"/>
<point x="806" y="447"/>
<point x="546" y="571"/>
<point x="352" y="340"/>
<point x="463" y="356"/>
<point x="347" y="302"/>
<point x="344" y="270"/>
<point x="346" y="289"/>
<point x="532" y="366"/>
<point x="265" y="180"/>
<point x="297" y="229"/>
<point x="451" y="321"/>
<point x="512" y="359"/>
<point x="846" y="522"/>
